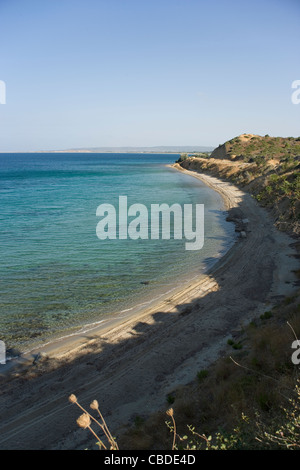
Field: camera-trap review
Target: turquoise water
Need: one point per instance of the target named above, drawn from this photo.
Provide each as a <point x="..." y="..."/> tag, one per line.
<point x="55" y="274"/>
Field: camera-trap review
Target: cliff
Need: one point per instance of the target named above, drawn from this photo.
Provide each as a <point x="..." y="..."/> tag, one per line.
<point x="267" y="167"/>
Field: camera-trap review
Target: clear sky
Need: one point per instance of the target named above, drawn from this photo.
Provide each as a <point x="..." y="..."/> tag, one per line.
<point x="91" y="73"/>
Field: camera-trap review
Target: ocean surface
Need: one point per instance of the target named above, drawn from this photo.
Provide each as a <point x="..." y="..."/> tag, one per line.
<point x="56" y="276"/>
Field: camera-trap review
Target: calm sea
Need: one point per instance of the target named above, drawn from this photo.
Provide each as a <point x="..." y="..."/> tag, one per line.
<point x="56" y="276"/>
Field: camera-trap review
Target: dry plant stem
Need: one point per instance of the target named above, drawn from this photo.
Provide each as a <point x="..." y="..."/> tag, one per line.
<point x="264" y="375"/>
<point x="84" y="421"/>
<point x="256" y="372"/>
<point x="99" y="440"/>
<point x="292" y="330"/>
<point x="174" y="437"/>
<point x="202" y="437"/>
<point x="170" y="413"/>
<point x="103" y="426"/>
<point x="99" y="424"/>
<point x="109" y="436"/>
<point x="92" y="417"/>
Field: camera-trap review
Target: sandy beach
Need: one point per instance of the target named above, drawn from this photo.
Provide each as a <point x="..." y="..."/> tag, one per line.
<point x="131" y="364"/>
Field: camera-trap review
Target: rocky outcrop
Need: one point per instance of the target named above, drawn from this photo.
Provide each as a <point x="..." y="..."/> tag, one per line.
<point x="236" y="216"/>
<point x="221" y="152"/>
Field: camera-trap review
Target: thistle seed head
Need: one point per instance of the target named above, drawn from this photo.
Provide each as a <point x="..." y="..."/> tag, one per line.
<point x="94" y="405"/>
<point x="72" y="398"/>
<point x="84" y="421"/>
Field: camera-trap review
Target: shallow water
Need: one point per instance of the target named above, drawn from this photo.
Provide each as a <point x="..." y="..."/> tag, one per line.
<point x="55" y="274"/>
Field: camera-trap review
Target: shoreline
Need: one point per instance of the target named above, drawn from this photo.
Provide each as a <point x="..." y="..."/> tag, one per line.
<point x="72" y="341"/>
<point x="133" y="364"/>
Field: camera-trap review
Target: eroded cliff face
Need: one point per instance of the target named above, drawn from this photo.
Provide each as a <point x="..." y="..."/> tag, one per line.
<point x="221" y="168"/>
<point x="221" y="152"/>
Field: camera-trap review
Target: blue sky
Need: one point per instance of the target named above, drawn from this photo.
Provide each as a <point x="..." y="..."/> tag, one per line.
<point x="90" y="73"/>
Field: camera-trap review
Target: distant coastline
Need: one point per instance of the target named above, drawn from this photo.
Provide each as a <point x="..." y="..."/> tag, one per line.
<point x="145" y="150"/>
<point x="156" y="149"/>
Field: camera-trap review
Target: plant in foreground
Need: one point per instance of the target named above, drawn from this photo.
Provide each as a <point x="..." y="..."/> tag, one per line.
<point x="287" y="435"/>
<point x="197" y="441"/>
<point x="282" y="433"/>
<point x="85" y="420"/>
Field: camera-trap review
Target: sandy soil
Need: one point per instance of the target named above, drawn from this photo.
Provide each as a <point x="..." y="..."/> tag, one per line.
<point x="131" y="366"/>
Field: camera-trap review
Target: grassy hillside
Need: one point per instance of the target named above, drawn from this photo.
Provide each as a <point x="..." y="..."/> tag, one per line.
<point x="248" y="147"/>
<point x="267" y="167"/>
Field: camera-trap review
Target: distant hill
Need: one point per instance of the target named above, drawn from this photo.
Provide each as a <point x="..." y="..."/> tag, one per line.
<point x="157" y="149"/>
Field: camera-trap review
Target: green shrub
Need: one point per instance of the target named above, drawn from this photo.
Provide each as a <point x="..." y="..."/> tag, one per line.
<point x="266" y="315"/>
<point x="170" y="399"/>
<point x="202" y="374"/>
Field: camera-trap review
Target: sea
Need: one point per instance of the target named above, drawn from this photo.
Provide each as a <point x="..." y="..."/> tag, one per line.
<point x="57" y="277"/>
